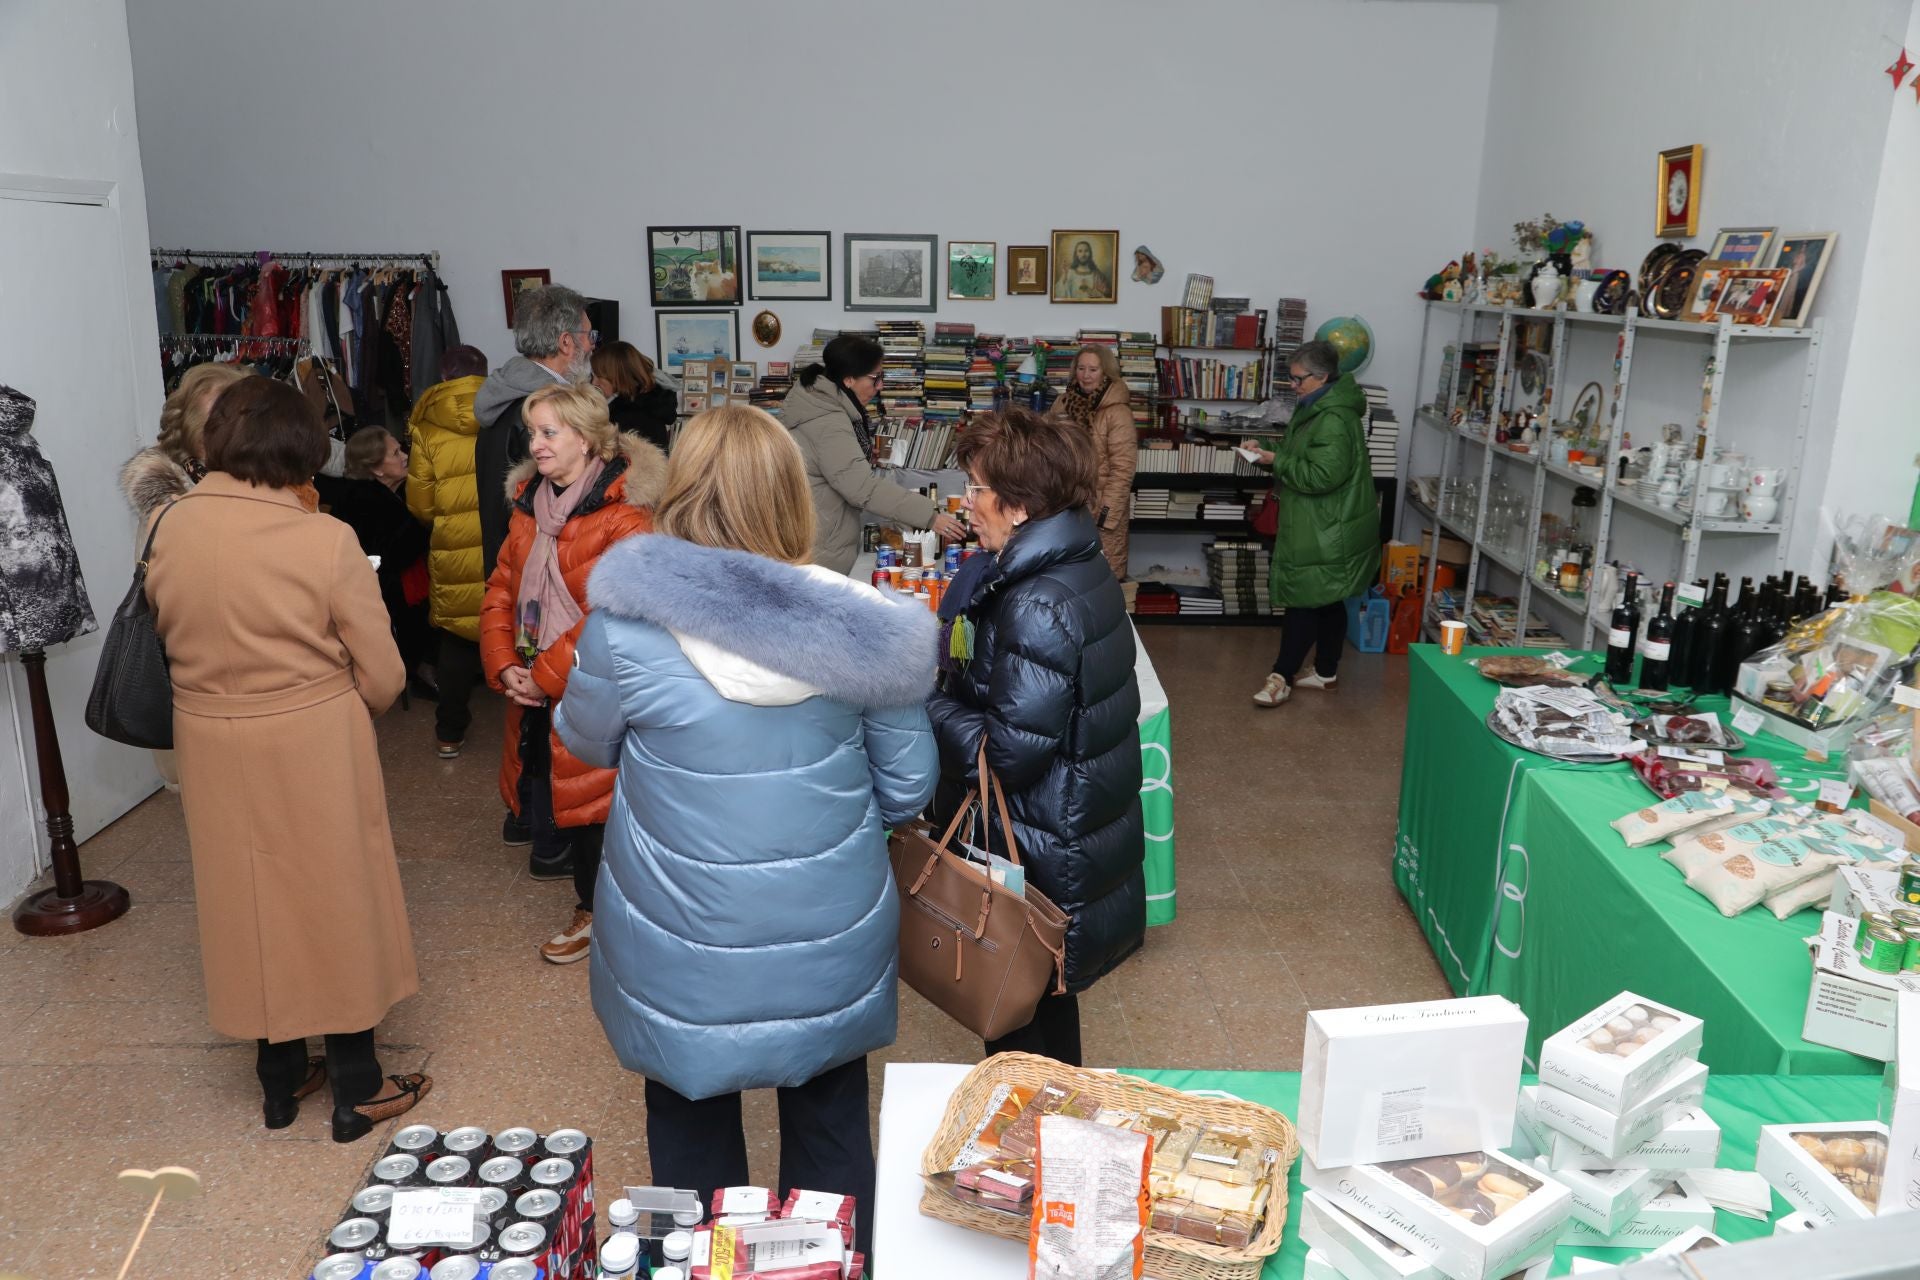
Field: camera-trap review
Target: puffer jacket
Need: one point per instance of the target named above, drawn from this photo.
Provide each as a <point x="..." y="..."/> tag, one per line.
<point x="622" y="506"/>
<point x="767" y="723"/>
<point x="1050" y="684"/>
<point x="1326" y="546"/>
<point x="841" y="477"/>
<point x="443" y="494"/>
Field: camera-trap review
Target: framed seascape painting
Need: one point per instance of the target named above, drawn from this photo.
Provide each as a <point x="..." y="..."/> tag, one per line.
<point x="692" y="265"/>
<point x="515" y="283"/>
<point x="789" y="264"/>
<point x="680" y="336"/>
<point x="890" y="273"/>
<point x="970" y="267"/>
<point x="1026" y="268"/>
<point x="1804" y="254"/>
<point x="1084" y="265"/>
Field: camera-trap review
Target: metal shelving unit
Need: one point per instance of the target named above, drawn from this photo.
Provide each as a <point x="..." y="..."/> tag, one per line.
<point x="1689" y="527"/>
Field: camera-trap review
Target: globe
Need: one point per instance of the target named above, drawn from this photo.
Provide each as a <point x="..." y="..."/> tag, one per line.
<point x="1352" y="338"/>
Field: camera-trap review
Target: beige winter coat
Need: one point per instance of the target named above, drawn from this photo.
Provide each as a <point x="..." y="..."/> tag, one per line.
<point x="281" y="655"/>
<point x="843" y="480"/>
<point x="1115" y="442"/>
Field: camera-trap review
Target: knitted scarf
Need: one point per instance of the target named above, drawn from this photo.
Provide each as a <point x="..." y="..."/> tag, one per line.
<point x="547" y="610"/>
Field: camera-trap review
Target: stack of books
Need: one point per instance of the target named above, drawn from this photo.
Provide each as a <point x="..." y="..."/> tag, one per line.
<point x="1383" y="432"/>
<point x="771" y="390"/>
<point x="948" y="358"/>
<point x="1156" y="599"/>
<point x="903" y="371"/>
<point x="1289" y="331"/>
<point x="1237" y="569"/>
<point x="981" y="377"/>
<point x="1136" y="367"/>
<point x="1229" y="322"/>
<point x="1164" y="457"/>
<point x="1150" y="504"/>
<point x="1202" y="602"/>
<point x="1223" y="504"/>
<point x="1496" y="620"/>
<point x="810" y="353"/>
<point x="1189" y="378"/>
<point x="1061" y="351"/>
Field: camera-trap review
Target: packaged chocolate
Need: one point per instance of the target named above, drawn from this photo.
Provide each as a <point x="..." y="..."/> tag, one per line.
<point x="1090" y="1205"/>
<point x="740" y="1205"/>
<point x="1018" y="1138"/>
<point x="1173" y="1140"/>
<point x="775" y="1250"/>
<point x="821" y="1206"/>
<point x="1227" y="1153"/>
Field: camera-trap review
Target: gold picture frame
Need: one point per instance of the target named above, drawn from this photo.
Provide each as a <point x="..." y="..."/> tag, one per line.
<point x="1677" y="191"/>
<point x="1026" y="268"/>
<point x="1086" y="267"/>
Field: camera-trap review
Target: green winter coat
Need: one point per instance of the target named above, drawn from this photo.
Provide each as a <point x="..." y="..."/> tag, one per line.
<point x="1327" y="544"/>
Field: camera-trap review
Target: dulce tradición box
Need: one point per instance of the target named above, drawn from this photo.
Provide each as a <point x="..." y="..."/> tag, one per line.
<point x="1355" y="1249"/>
<point x="1604" y="1200"/>
<point x="1830" y="1170"/>
<point x="1900" y="1111"/>
<point x="1690" y="1242"/>
<point x="1617" y="1055"/>
<point x="1400" y="1081"/>
<point x="1613" y="1133"/>
<point x="1672" y="1212"/>
<point x="1795" y="1223"/>
<point x="1475" y="1215"/>
<point x="1690" y="1140"/>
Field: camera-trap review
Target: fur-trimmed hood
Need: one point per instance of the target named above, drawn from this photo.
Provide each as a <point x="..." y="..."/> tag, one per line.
<point x="152" y="478"/>
<point x="762" y="631"/>
<point x="642" y="468"/>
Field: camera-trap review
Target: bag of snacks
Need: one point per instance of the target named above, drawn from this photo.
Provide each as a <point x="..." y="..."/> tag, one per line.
<point x="1669" y="818"/>
<point x="1735" y="869"/>
<point x="1850" y="834"/>
<point x="1091" y="1201"/>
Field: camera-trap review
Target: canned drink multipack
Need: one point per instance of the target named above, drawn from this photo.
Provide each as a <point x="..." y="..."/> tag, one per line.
<point x="421" y="1140"/>
<point x="515" y="1142"/>
<point x="341" y="1266"/>
<point x="469" y="1140"/>
<point x="398" y="1170"/>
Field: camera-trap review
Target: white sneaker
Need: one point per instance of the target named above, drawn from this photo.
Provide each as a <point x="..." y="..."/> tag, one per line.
<point x="1273" y="692"/>
<point x="1314" y="680"/>
<point x="571" y="943"/>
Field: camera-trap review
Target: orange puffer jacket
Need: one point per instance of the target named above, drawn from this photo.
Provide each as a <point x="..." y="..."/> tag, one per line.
<point x="622" y="506"/>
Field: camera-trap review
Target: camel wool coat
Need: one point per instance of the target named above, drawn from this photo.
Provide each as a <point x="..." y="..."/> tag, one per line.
<point x="281" y="655"/>
<point x="1115" y="453"/>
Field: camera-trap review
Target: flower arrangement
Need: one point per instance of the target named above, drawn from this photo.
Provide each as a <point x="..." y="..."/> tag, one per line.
<point x="1531" y="236"/>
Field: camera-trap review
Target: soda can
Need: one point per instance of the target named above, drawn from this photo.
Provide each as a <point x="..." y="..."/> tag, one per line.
<point x="373" y="1202"/>
<point x="537" y="1204"/>
<point x="513" y="1269"/>
<point x="515" y="1142"/>
<point x="340" y="1266"/>
<point x="895" y="576"/>
<point x="492" y="1201"/>
<point x="416" y="1140"/>
<point x="397" y="1268"/>
<point x="354" y="1235"/>
<point x="522" y="1239"/>
<point x="883" y="580"/>
<point x="552" y="1173"/>
<point x="399" y="1170"/>
<point x="501" y="1171"/>
<point x="951" y="560"/>
<point x="456" y="1266"/>
<point x="885" y="557"/>
<point x="468" y="1140"/>
<point x="450" y="1171"/>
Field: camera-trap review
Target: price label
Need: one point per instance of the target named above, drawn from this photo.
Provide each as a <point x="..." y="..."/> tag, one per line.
<point x="1691" y="594"/>
<point x="1878" y="828"/>
<point x="442" y="1216"/>
<point x="1834" y="794"/>
<point x="1747" y="720"/>
<point x="1906" y="695"/>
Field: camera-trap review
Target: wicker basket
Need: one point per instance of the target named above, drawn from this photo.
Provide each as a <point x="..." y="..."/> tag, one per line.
<point x="1169" y="1257"/>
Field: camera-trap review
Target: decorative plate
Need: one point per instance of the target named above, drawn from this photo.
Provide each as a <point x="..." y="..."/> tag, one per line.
<point x="1611" y="298"/>
<point x="1676" y="282"/>
<point x="766" y="328"/>
<point x="1653" y="264"/>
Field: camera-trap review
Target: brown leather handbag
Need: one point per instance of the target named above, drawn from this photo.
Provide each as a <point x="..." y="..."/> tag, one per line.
<point x="979" y="951"/>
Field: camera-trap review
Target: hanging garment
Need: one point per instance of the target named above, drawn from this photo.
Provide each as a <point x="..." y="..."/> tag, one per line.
<point x="43" y="599"/>
<point x="423" y="357"/>
<point x="162" y="304"/>
<point x="400" y="328"/>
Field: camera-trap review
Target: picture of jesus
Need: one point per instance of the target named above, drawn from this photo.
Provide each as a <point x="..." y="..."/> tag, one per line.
<point x="1084" y="266"/>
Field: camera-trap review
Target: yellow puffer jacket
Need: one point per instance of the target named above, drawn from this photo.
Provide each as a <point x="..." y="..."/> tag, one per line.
<point x="441" y="492"/>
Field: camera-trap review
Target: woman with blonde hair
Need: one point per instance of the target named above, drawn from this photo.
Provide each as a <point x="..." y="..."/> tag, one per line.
<point x="765" y="715"/>
<point x="640" y="400"/>
<point x="165" y="470"/>
<point x="583" y="487"/>
<point x="1099" y="401"/>
<point x="368" y="501"/>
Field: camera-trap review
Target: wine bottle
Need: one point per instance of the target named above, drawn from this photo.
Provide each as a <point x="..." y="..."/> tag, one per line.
<point x="1656" y="651"/>
<point x="1684" y="622"/>
<point x="1620" y="631"/>
<point x="1775" y="629"/>
<point x="1707" y="633"/>
<point x="1736" y="640"/>
<point x="1836" y="594"/>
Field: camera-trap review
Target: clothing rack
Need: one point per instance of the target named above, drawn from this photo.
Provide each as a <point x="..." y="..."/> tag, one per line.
<point x="214" y="341"/>
<point x="430" y="258"/>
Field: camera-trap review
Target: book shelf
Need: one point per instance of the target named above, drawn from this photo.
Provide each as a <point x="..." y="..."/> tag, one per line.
<point x="1774" y="376"/>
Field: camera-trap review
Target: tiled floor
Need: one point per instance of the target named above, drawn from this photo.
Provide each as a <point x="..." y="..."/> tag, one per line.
<point x="1283" y="820"/>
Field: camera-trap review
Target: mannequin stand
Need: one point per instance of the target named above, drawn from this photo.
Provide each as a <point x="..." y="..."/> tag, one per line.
<point x="73" y="905"/>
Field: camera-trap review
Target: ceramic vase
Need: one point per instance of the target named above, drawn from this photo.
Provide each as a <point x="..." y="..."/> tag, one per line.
<point x="1546" y="286"/>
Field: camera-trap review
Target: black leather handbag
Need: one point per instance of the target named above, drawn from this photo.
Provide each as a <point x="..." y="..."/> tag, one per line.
<point x="132" y="698"/>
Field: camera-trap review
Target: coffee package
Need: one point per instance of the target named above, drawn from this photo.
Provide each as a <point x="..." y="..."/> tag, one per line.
<point x="1091" y="1202"/>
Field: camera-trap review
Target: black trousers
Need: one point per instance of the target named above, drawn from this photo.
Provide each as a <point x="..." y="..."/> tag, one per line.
<point x="352" y="1068"/>
<point x="1321" y="628"/>
<point x="1053" y="1033"/>
<point x="550" y="840"/>
<point x="824" y="1141"/>
<point x="456" y="671"/>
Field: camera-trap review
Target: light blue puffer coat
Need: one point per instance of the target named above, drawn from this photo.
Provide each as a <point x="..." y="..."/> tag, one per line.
<point x="767" y="723"/>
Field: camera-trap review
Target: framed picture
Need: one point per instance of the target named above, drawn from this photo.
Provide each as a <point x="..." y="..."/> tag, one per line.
<point x="1744" y="246"/>
<point x="694" y="265"/>
<point x="696" y="403"/>
<point x="1677" y="191"/>
<point x="1804" y="254"/>
<point x="515" y="283"/>
<point x="1026" y="268"/>
<point x="718" y="399"/>
<point x="790" y="264"/>
<point x="740" y="388"/>
<point x="1084" y="265"/>
<point x="720" y="371"/>
<point x="890" y="273"/>
<point x="680" y="336"/>
<point x="970" y="267"/>
<point x="1749" y="295"/>
<point x="694" y="386"/>
<point x="1705" y="289"/>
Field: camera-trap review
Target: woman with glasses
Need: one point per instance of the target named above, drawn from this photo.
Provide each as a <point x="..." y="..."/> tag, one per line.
<point x="1327" y="544"/>
<point x="827" y="412"/>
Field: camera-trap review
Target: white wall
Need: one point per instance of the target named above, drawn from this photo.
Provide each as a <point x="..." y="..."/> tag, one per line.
<point x="1787" y="100"/>
<point x="1306" y="148"/>
<point x="77" y="332"/>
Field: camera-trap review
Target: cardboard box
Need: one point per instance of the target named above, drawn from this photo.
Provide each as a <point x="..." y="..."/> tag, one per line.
<point x="1429" y="1224"/>
<point x="1451" y="550"/>
<point x="1785" y="1156"/>
<point x="1356" y="1249"/>
<point x="1687" y="1242"/>
<point x="1910" y="831"/>
<point x="1819" y="744"/>
<point x="1795" y="1223"/>
<point x="1690" y="1141"/>
<point x="1900" y="1112"/>
<point x="1615" y="1134"/>
<point x="1585" y="1058"/>
<point x="1400" y="567"/>
<point x="1398" y="1081"/>
<point x="1850" y="1006"/>
<point x="1605" y="1200"/>
<point x="1859" y="889"/>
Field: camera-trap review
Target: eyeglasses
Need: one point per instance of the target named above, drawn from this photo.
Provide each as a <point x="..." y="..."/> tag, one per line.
<point x="1297" y="378"/>
<point x="592" y="335"/>
<point x="978" y="488"/>
<point x="875" y="377"/>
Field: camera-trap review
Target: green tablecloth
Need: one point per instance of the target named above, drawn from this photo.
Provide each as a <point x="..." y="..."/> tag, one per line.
<point x="1156" y="812"/>
<point x="1524" y="890"/>
<point x="1740" y="1104"/>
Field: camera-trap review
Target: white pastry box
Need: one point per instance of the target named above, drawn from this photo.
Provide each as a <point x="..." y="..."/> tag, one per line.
<point x="1900" y="1112"/>
<point x="1690" y="1242"/>
<point x="1795" y="1224"/>
<point x="1671" y="1213"/>
<point x="1830" y="1170"/>
<point x="1355" y="1249"/>
<point x="1616" y="1133"/>
<point x="1476" y="1215"/>
<point x="1319" y="1268"/>
<point x="1619" y="1054"/>
<point x="1400" y="1081"/>
<point x="1605" y="1200"/>
<point x="1690" y="1140"/>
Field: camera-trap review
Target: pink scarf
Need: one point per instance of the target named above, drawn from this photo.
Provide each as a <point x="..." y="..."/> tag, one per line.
<point x="546" y="608"/>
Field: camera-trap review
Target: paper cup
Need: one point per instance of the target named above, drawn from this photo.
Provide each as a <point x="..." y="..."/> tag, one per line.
<point x="1453" y="638"/>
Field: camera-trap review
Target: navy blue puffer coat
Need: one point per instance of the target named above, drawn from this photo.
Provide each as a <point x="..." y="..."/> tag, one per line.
<point x="1050" y="684"/>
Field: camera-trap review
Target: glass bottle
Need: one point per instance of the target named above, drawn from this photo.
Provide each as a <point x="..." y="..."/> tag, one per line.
<point x="1656" y="651"/>
<point x="1620" y="634"/>
<point x="1707" y="635"/>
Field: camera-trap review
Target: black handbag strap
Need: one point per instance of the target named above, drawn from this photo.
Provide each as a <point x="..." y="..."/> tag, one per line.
<point x="146" y="552"/>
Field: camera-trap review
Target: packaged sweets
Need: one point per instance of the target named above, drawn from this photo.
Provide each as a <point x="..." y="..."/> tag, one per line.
<point x="1738" y="867"/>
<point x="1017" y="1140"/>
<point x="1619" y="1054"/>
<point x="821" y="1206"/>
<point x="1173" y="1140"/>
<point x="1670" y="817"/>
<point x="1227" y="1154"/>
<point x="744" y="1204"/>
<point x="1091" y="1205"/>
